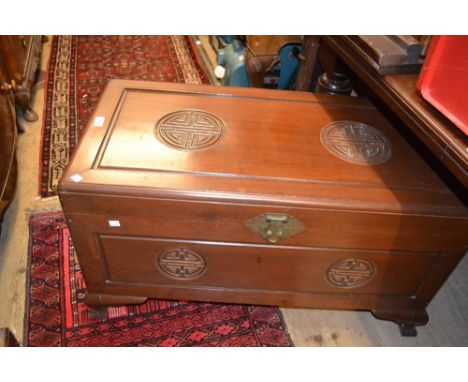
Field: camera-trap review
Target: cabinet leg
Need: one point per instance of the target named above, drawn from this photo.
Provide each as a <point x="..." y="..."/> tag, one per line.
<point x="98" y="312"/>
<point x="98" y="303"/>
<point x="407" y="330"/>
<point x="406" y="320"/>
<point x="96" y="300"/>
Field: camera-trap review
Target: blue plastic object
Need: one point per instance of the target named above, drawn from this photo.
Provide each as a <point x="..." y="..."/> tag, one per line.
<point x="232" y="59"/>
<point x="289" y="64"/>
<point x="227" y="39"/>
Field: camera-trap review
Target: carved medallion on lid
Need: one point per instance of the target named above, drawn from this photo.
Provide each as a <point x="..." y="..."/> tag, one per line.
<point x="181" y="264"/>
<point x="189" y="129"/>
<point x="350" y="273"/>
<point x="356" y="142"/>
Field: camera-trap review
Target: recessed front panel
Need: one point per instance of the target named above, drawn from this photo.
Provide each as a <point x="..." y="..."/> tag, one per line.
<point x="156" y="261"/>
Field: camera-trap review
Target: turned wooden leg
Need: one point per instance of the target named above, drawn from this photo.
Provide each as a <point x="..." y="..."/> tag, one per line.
<point x="99" y="300"/>
<point x="334" y="79"/>
<point x="334" y="83"/>
<point x="406" y="320"/>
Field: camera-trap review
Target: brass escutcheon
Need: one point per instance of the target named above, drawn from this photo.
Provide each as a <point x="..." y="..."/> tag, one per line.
<point x="274" y="227"/>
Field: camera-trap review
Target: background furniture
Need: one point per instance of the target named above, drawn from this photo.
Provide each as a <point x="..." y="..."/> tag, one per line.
<point x="8" y="135"/>
<point x="392" y="54"/>
<point x="308" y="71"/>
<point x="21" y="57"/>
<point x="257" y="61"/>
<point x="265" y="53"/>
<point x="19" y="61"/>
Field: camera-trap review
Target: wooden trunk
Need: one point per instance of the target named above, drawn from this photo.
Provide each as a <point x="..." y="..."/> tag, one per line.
<point x="257" y="196"/>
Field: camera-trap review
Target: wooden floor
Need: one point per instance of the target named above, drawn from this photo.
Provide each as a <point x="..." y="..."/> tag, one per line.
<point x="448" y="325"/>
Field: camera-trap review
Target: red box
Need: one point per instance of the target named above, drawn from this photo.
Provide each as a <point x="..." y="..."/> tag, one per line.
<point x="443" y="81"/>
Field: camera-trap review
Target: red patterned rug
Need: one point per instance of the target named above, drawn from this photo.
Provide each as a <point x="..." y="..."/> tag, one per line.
<point x="56" y="316"/>
<point x="79" y="68"/>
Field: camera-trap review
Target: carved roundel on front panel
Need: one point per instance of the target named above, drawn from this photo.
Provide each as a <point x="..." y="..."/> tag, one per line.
<point x="189" y="129"/>
<point x="350" y="273"/>
<point x="181" y="264"/>
<point x="356" y="142"/>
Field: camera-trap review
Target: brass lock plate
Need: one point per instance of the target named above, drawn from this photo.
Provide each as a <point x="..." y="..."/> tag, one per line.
<point x="274" y="227"/>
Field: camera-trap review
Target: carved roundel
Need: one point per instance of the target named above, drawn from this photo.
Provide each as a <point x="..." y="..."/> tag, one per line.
<point x="356" y="142"/>
<point x="189" y="129"/>
<point x="181" y="264"/>
<point x="350" y="273"/>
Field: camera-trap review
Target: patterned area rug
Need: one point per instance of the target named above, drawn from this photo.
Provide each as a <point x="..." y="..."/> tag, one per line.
<point x="78" y="70"/>
<point x="56" y="316"/>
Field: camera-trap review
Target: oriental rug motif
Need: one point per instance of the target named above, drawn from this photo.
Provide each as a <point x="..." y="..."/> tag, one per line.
<point x="78" y="70"/>
<point x="55" y="314"/>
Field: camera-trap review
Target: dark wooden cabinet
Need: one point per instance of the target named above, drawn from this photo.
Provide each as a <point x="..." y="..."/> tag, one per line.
<point x="257" y="196"/>
<point x="19" y="60"/>
<point x="21" y="57"/>
<point x="8" y="136"/>
<point x="437" y="139"/>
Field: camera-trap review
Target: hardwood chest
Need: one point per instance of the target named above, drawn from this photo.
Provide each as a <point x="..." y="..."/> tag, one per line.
<point x="257" y="196"/>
